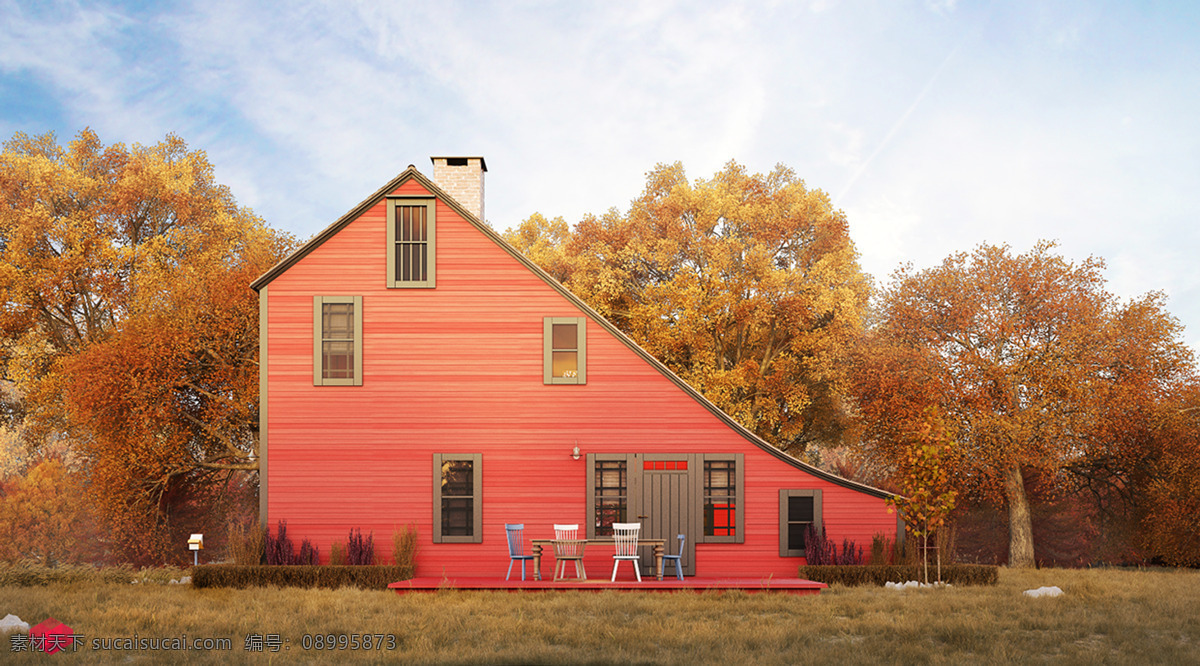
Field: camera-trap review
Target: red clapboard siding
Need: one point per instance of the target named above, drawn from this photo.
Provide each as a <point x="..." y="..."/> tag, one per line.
<point x="458" y="369"/>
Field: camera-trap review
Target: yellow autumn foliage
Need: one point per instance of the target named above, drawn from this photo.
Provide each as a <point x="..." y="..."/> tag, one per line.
<point x="745" y="285"/>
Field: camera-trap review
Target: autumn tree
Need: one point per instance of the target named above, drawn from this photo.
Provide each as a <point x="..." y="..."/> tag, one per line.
<point x="927" y="492"/>
<point x="44" y="515"/>
<point x="745" y="285"/>
<point x="1168" y="488"/>
<point x="1022" y="355"/>
<point x="129" y="328"/>
<point x="545" y="243"/>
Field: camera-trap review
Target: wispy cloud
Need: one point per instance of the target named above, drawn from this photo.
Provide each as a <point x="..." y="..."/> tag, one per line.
<point x="939" y="124"/>
<point x="78" y="63"/>
<point x="866" y="164"/>
<point x="941" y="6"/>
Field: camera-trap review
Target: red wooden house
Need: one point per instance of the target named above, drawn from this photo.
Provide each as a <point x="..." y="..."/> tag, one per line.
<point x="418" y="369"/>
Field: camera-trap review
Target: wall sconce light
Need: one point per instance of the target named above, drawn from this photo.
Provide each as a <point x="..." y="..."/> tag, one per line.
<point x="575" y="451"/>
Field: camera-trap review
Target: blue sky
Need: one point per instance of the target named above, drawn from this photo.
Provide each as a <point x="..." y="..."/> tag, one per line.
<point x="936" y="125"/>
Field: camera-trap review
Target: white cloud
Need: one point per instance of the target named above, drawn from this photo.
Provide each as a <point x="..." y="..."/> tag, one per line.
<point x="70" y="48"/>
<point x="1002" y="124"/>
<point x="941" y="6"/>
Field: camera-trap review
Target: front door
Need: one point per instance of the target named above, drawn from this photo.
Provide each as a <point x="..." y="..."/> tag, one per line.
<point x="667" y="507"/>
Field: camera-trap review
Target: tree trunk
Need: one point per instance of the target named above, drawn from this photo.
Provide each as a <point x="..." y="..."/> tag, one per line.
<point x="937" y="543"/>
<point x="1020" y="524"/>
<point x="925" y="550"/>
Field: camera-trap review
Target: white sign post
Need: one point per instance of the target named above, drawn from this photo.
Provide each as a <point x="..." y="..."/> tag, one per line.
<point x="196" y="544"/>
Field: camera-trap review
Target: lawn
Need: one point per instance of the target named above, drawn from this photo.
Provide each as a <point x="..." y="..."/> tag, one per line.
<point x="1105" y="616"/>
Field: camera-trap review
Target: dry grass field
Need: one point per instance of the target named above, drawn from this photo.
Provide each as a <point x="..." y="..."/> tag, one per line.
<point x="1105" y="616"/>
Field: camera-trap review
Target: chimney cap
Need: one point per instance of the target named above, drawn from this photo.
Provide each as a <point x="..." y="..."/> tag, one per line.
<point x="459" y="160"/>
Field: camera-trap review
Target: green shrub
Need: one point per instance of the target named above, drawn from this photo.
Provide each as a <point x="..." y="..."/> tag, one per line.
<point x="365" y="577"/>
<point x="954" y="574"/>
<point x="337" y="553"/>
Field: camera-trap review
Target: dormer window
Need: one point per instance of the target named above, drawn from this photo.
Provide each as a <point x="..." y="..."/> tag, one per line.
<point x="411" y="242"/>
<point x="564" y="345"/>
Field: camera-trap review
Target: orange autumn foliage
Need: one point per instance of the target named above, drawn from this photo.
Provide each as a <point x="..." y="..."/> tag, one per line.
<point x="1164" y="482"/>
<point x="44" y="516"/>
<point x="927" y="493"/>
<point x="1031" y="363"/>
<point x="130" y="330"/>
<point x="747" y="286"/>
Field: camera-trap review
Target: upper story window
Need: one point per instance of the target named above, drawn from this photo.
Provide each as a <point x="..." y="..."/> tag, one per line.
<point x="337" y="340"/>
<point x="411" y="242"/>
<point x="564" y="344"/>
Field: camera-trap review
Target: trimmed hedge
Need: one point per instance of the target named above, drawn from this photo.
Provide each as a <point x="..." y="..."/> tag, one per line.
<point x="878" y="574"/>
<point x="32" y="574"/>
<point x="234" y="575"/>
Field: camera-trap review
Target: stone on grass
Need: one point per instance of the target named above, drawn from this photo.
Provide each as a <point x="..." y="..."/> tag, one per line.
<point x="913" y="584"/>
<point x="1052" y="591"/>
<point x="12" y="623"/>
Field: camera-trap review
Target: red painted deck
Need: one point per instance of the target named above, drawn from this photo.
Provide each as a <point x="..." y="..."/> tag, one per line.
<point x="648" y="584"/>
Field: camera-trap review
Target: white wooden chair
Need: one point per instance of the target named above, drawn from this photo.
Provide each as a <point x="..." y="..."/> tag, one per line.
<point x="566" y="531"/>
<point x="568" y="547"/>
<point x="626" y="536"/>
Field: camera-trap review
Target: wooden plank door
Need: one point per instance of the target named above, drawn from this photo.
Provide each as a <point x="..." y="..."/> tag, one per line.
<point x="667" y="507"/>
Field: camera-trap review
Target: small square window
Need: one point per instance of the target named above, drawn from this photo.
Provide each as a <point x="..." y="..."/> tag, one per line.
<point x="564" y="350"/>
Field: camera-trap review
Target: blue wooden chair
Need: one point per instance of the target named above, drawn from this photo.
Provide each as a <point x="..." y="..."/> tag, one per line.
<point x="677" y="560"/>
<point x="516" y="544"/>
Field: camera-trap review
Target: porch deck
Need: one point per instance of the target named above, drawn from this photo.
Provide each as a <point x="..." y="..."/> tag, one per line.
<point x="648" y="584"/>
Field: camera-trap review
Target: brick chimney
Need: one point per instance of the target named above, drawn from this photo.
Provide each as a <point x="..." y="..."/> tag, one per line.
<point x="462" y="178"/>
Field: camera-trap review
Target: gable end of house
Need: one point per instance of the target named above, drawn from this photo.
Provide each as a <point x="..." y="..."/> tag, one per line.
<point x="411" y="173"/>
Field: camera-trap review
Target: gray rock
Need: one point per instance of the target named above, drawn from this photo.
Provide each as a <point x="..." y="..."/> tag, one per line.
<point x="12" y="623"/>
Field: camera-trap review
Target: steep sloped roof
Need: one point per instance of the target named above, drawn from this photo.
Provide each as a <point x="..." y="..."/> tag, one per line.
<point x="411" y="173"/>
